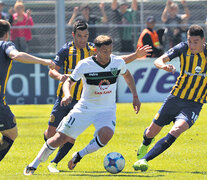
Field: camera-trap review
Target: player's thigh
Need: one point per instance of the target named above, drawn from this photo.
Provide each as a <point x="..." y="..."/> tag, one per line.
<point x="167" y="112"/>
<point x="190" y="112"/>
<point x="75" y="123"/>
<point x="10" y="133"/>
<point x="105" y="119"/>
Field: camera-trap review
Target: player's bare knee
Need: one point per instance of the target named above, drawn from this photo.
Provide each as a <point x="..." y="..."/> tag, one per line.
<point x="176" y="131"/>
<point x="105" y="134"/>
<point x="49" y="132"/>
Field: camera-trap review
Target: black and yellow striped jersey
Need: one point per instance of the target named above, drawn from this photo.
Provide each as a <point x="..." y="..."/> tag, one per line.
<point x="191" y="84"/>
<point x="5" y="67"/>
<point x="67" y="58"/>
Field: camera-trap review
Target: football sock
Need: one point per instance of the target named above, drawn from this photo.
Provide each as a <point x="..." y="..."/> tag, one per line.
<point x="147" y="141"/>
<point x="93" y="146"/>
<point x="63" y="150"/>
<point x="160" y="147"/>
<point x="42" y="155"/>
<point x="5" y="145"/>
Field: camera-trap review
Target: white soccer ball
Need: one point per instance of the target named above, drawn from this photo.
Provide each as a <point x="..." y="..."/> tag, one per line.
<point x="114" y="162"/>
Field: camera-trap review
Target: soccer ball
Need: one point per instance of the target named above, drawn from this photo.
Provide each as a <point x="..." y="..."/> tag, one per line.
<point x="114" y="162"/>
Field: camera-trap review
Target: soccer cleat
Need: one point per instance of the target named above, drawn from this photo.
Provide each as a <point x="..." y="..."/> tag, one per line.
<point x="52" y="167"/>
<point x="28" y="171"/>
<point x="73" y="162"/>
<point x="142" y="151"/>
<point x="141" y="165"/>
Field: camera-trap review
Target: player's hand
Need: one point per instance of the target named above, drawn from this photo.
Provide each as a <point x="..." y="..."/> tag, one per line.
<point x="136" y="104"/>
<point x="51" y="64"/>
<point x="143" y="51"/>
<point x="64" y="77"/>
<point x="66" y="100"/>
<point x="169" y="68"/>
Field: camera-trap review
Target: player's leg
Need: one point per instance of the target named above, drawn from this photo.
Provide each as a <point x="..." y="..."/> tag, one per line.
<point x="189" y="112"/>
<point x="8" y="137"/>
<point x="105" y="125"/>
<point x="8" y="130"/>
<point x="58" y="113"/>
<point x="47" y="149"/>
<point x="183" y="121"/>
<point x="164" y="116"/>
<point x="148" y="138"/>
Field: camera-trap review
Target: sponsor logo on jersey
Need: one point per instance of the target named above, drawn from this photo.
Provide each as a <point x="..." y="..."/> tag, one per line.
<point x="93" y="74"/>
<point x="104" y="84"/>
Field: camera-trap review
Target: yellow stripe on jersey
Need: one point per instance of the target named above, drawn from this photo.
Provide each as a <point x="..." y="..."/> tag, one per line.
<point x="7" y="77"/>
<point x="74" y="56"/>
<point x="189" y="80"/>
<point x="181" y="79"/>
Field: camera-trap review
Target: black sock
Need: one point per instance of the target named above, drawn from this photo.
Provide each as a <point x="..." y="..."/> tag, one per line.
<point x="63" y="150"/>
<point x="5" y="145"/>
<point x="160" y="147"/>
<point x="146" y="140"/>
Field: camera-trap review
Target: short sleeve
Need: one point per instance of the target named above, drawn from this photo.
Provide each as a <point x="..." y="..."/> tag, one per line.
<point x="123" y="67"/>
<point x="77" y="74"/>
<point x="176" y="51"/>
<point x="61" y="56"/>
<point x="8" y="47"/>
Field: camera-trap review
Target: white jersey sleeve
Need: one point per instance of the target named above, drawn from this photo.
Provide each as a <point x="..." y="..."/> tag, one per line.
<point x="77" y="74"/>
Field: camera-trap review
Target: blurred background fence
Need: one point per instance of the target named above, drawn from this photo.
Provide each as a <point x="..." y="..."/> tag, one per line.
<point x="45" y="14"/>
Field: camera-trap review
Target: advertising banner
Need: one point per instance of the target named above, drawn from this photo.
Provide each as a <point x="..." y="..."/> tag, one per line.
<point x="30" y="84"/>
<point x="153" y="85"/>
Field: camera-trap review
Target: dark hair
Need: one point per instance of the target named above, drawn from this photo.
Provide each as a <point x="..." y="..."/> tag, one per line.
<point x="102" y="40"/>
<point x="196" y="30"/>
<point x="4" y="27"/>
<point x="80" y="25"/>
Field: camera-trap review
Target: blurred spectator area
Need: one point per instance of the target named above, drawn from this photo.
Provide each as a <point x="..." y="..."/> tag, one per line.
<point x="43" y="14"/>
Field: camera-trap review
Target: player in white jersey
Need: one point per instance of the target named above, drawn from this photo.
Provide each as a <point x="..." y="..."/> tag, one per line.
<point x="97" y="104"/>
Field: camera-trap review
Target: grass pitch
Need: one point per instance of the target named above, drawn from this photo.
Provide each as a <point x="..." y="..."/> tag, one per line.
<point x="185" y="159"/>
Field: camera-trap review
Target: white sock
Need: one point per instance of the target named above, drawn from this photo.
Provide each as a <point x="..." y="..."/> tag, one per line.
<point x="43" y="155"/>
<point x="93" y="146"/>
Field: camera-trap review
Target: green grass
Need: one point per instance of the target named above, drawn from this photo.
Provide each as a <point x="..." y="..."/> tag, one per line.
<point x="186" y="159"/>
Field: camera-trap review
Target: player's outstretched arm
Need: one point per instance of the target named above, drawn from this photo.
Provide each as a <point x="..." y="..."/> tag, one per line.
<point x="131" y="84"/>
<point x="140" y="52"/>
<point x="54" y="73"/>
<point x="67" y="99"/>
<point x="160" y="63"/>
<point x="29" y="59"/>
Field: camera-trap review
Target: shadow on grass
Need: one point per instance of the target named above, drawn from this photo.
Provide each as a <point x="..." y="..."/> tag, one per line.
<point x="193" y="172"/>
<point x="106" y="174"/>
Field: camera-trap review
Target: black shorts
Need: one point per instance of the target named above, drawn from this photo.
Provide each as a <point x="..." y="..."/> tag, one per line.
<point x="59" y="112"/>
<point x="7" y="118"/>
<point x="175" y="108"/>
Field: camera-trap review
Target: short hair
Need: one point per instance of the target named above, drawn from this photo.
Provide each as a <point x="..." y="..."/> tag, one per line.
<point x="196" y="30"/>
<point x="80" y="25"/>
<point x="102" y="40"/>
<point x="4" y="27"/>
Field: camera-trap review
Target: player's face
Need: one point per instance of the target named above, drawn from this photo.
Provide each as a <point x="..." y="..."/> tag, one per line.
<point x="195" y="44"/>
<point x="81" y="38"/>
<point x="104" y="52"/>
